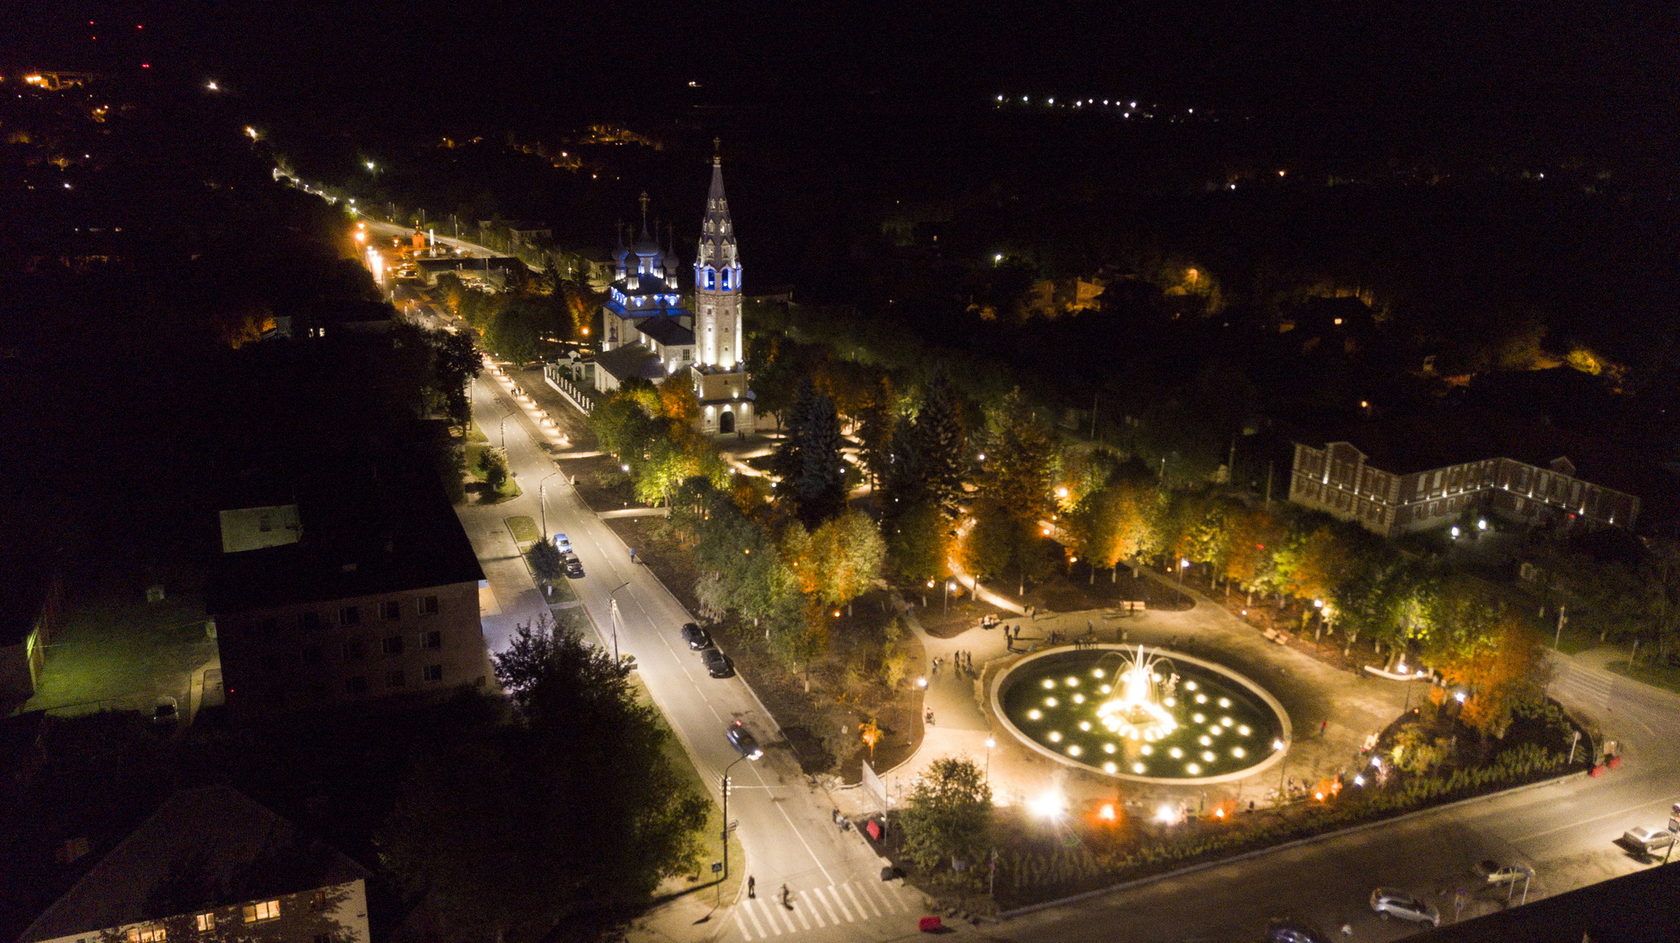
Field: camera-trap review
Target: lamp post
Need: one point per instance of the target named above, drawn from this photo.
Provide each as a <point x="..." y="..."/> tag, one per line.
<point x="542" y="501"/>
<point x="947" y="597"/>
<point x="724" y="784"/>
<point x="616" y="618"/>
<point x="504" y="427"/>
<point x="1183" y="564"/>
<point x="990" y="742"/>
<point x="1277" y="745"/>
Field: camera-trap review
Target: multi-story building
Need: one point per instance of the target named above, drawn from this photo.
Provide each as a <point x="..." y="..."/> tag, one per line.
<point x="373" y="605"/>
<point x="1403" y="476"/>
<point x="212" y="865"/>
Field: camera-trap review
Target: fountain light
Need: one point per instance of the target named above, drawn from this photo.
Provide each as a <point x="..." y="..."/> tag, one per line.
<point x="1224" y="702"/>
<point x="1049" y="683"/>
<point x="1205" y="740"/>
<point x="1055" y="736"/>
<point x="1084" y="725"/>
<point x="1199" y="718"/>
<point x="1035" y="714"/>
<point x="1079" y="699"/>
<point x="1139" y="768"/>
<point x="1176" y="753"/>
<point x="1071" y="681"/>
<point x="1166" y="813"/>
<point x="1238" y="752"/>
<point x="1244" y="729"/>
<point x="1074" y="750"/>
<point x="1051" y="702"/>
<point x="1201" y="699"/>
<point x="1108" y="748"/>
<point x="1226" y="721"/>
<point x="1097" y="673"/>
<point x="1208" y="756"/>
<point x="1107" y="688"/>
<point x="1138" y="712"/>
<point x="1110" y="768"/>
<point x="1147" y="750"/>
<point x="1193" y="769"/>
<point x="1189" y="685"/>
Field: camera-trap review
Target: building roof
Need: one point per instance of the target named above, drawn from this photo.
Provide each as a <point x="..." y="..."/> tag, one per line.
<point x="364" y="538"/>
<point x="667" y="331"/>
<point x="1642" y="907"/>
<point x="1407" y="444"/>
<point x="202" y="848"/>
<point x="631" y="360"/>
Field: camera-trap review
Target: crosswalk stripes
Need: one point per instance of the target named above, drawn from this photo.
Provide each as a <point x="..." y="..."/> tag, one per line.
<point x="817" y="907"/>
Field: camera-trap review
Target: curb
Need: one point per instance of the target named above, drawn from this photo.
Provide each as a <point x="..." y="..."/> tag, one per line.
<point x="1297" y="843"/>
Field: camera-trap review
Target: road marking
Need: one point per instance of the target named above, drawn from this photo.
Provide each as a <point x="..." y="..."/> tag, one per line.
<point x="862" y="902"/>
<point x="748" y="916"/>
<point x="1607" y="815"/>
<point x="828" y="908"/>
<point x="799" y="912"/>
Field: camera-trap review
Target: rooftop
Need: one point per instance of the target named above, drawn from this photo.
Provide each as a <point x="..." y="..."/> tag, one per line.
<point x="201" y="848"/>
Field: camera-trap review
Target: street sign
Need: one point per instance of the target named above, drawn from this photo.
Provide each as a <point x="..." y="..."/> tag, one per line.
<point x="1674" y="826"/>
<point x="717" y="867"/>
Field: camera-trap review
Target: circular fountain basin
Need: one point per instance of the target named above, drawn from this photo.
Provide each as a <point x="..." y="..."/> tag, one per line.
<point x="1226" y="726"/>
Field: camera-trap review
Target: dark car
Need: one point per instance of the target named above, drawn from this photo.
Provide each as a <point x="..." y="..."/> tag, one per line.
<point x="1294" y="931"/>
<point x="718" y="664"/>
<point x="574" y="568"/>
<point x="696" y="637"/>
<point x="743" y="741"/>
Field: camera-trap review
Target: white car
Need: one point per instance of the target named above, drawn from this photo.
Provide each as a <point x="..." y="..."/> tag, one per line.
<point x="1496" y="874"/>
<point x="1388" y="902"/>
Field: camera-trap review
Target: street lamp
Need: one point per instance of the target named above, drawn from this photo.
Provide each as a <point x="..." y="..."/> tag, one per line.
<point x="612" y="597"/>
<point x="542" y="500"/>
<point x="724" y="784"/>
<point x="1183" y="564"/>
<point x="990" y="742"/>
<point x="504" y="427"/>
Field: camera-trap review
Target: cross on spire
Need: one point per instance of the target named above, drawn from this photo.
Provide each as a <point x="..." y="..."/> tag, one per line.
<point x="717" y="152"/>
<point x="644" y="202"/>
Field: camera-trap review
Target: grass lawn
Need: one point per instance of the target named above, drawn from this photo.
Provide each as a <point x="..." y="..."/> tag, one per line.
<point x="475" y="434"/>
<point x="711" y="843"/>
<point x="1660" y="676"/>
<point x="524" y="531"/>
<point x="510" y="489"/>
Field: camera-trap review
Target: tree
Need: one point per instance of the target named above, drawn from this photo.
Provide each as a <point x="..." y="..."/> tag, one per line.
<point x="918" y="542"/>
<point x="544" y="559"/>
<point x="808" y="461"/>
<point x="938" y="444"/>
<point x="582" y="757"/>
<point x="493" y="464"/>
<point x="677" y="400"/>
<point x="455" y="364"/>
<point x="1019" y="455"/>
<point x="875" y="432"/>
<point x="839" y="561"/>
<point x="512" y="333"/>
<point x="949" y="819"/>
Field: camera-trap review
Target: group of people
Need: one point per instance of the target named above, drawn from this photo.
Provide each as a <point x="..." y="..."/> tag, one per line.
<point x="961" y="661"/>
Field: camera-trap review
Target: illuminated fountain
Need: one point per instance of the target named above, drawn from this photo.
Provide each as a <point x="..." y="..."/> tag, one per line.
<point x="1141" y="711"/>
<point x="1141" y="714"/>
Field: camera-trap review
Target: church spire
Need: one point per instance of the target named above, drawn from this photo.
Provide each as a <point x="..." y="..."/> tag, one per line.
<point x="717" y="233"/>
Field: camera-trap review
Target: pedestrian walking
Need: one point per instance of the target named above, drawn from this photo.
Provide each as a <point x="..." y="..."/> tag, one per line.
<point x="928" y="716"/>
<point x="785" y="901"/>
<point x="1323" y="725"/>
<point x="752" y="887"/>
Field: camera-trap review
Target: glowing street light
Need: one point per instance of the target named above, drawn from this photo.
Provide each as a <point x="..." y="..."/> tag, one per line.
<point x="211" y="86"/>
<point x="1049" y="805"/>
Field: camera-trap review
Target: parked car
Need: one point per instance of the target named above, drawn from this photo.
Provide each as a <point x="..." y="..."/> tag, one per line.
<point x="574" y="568"/>
<point x="166" y="711"/>
<point x="1388" y="902"/>
<point x="743" y="741"/>
<point x="717" y="663"/>
<point x="696" y="637"/>
<point x="1294" y="931"/>
<point x="1646" y="839"/>
<point x="561" y="543"/>
<point x="1495" y="873"/>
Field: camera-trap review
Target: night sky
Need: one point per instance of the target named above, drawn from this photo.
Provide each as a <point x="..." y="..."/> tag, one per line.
<point x="1562" y="68"/>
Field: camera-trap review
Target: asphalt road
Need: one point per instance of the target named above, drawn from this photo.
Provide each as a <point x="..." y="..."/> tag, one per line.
<point x="784" y="819"/>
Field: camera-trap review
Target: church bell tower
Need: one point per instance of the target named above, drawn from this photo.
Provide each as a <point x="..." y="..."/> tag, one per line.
<point x="720" y="370"/>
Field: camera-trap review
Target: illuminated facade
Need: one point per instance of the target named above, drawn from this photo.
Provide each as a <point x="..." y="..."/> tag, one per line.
<point x="647" y="332"/>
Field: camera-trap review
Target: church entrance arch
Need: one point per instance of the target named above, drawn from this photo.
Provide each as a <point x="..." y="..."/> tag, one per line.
<point x="726" y="422"/>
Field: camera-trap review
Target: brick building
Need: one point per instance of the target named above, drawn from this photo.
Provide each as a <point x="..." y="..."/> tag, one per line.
<point x="376" y="603"/>
<point x="1406" y="475"/>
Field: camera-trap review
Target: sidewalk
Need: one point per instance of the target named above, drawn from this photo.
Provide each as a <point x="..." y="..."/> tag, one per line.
<point x="1311" y="692"/>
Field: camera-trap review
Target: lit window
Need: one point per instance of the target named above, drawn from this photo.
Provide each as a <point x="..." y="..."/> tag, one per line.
<point x="204" y="922"/>
<point x="153" y="934"/>
<point x="262" y="910"/>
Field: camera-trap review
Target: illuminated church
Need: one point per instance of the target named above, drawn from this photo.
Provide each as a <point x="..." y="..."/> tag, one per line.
<point x="647" y="332"/>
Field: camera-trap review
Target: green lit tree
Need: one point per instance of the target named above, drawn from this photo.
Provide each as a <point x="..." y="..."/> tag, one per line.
<point x="948" y="823"/>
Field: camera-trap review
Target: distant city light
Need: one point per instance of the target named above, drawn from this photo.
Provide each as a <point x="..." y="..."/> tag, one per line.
<point x="212" y="86"/>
